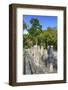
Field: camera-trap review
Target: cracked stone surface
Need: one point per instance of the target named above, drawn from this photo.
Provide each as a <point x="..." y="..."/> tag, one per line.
<point x="30" y="65"/>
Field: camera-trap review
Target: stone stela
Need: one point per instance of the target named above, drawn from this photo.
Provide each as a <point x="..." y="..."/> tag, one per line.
<point x="39" y="60"/>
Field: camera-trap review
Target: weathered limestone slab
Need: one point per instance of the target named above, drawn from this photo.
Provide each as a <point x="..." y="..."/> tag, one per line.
<point x="50" y="58"/>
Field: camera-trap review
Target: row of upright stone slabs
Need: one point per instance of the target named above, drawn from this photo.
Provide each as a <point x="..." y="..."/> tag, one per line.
<point x="36" y="53"/>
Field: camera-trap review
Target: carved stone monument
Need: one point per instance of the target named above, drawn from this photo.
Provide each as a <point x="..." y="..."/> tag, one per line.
<point x="50" y="58"/>
<point x="36" y="55"/>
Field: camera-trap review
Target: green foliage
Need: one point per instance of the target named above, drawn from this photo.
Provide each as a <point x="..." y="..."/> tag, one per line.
<point x="50" y="37"/>
<point x="38" y="36"/>
<point x="35" y="29"/>
<point x="28" y="41"/>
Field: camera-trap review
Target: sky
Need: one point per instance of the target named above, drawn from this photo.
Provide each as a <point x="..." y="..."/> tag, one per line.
<point x="45" y="21"/>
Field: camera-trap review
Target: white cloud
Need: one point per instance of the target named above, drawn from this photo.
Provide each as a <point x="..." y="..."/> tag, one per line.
<point x="25" y="32"/>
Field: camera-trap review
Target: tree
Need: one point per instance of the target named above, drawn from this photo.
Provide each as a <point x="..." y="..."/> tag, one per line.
<point x="28" y="41"/>
<point x="38" y="36"/>
<point x="35" y="29"/>
<point x="50" y="37"/>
